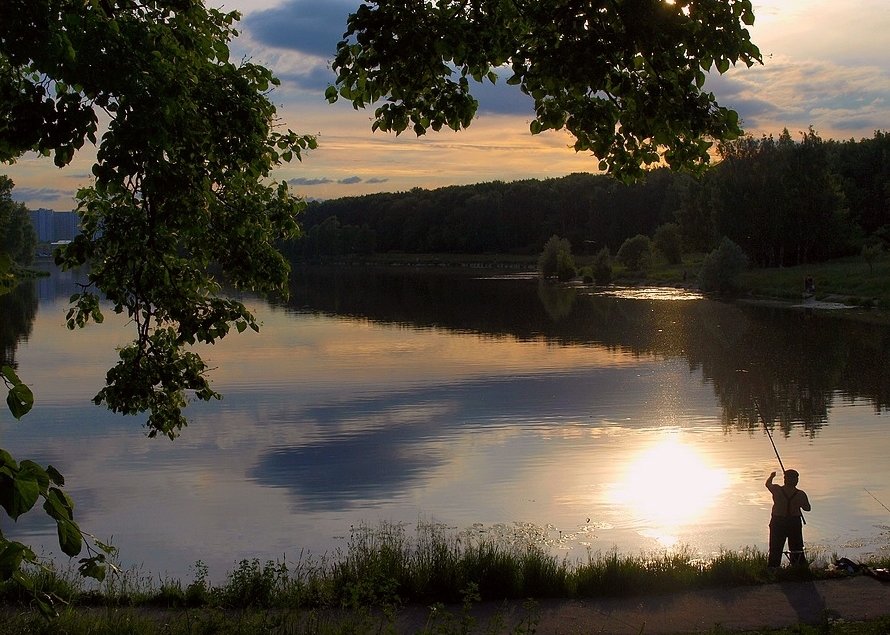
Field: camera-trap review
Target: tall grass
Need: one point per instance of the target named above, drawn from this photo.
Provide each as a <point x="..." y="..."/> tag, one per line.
<point x="367" y="586"/>
<point x="388" y="566"/>
<point x="849" y="280"/>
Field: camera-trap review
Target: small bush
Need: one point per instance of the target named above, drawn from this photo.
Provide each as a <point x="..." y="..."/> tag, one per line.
<point x="602" y="267"/>
<point x="252" y="585"/>
<point x="556" y="259"/>
<point x="669" y="242"/>
<point x="721" y="268"/>
<point x="635" y="253"/>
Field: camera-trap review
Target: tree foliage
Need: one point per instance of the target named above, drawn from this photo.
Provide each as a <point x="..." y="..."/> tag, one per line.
<point x="602" y="267"/>
<point x="635" y="253"/>
<point x="781" y="200"/>
<point x="626" y="79"/>
<point x="721" y="268"/>
<point x="182" y="185"/>
<point x="17" y="237"/>
<point x="181" y="174"/>
<point x="556" y="259"/>
<point x="668" y="240"/>
<point x="785" y="201"/>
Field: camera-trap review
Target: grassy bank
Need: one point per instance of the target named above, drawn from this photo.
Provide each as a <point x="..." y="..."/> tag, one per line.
<point x="849" y="280"/>
<point x="382" y="572"/>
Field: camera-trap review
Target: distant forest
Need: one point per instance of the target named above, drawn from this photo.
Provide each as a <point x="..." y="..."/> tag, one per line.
<point x="785" y="201"/>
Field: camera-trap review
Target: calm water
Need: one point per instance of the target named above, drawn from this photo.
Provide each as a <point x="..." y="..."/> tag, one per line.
<point x="493" y="404"/>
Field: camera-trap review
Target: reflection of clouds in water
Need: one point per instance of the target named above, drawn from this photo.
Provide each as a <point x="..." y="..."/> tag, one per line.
<point x="356" y="470"/>
<point x="382" y="445"/>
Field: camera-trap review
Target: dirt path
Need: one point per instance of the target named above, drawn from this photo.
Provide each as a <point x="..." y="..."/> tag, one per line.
<point x="743" y="608"/>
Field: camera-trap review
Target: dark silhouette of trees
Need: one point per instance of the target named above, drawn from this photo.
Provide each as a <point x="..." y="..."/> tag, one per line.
<point x="17" y="237"/>
<point x="783" y="201"/>
<point x="780" y="200"/>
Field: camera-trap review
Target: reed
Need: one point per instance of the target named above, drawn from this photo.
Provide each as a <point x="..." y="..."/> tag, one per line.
<point x="364" y="587"/>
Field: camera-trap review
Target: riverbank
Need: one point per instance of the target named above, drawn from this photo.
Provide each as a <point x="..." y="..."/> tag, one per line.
<point x="843" y="282"/>
<point x="857" y="605"/>
<point x="440" y="582"/>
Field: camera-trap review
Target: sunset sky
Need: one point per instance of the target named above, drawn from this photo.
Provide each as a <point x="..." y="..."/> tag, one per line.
<point x="825" y="65"/>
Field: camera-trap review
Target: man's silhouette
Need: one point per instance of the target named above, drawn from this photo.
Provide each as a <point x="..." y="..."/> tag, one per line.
<point x="786" y="521"/>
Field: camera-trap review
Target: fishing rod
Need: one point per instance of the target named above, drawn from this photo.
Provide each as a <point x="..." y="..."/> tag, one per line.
<point x="765" y="427"/>
<point x="775" y="449"/>
<point x="769" y="434"/>
<point x="876" y="498"/>
<point x="772" y="442"/>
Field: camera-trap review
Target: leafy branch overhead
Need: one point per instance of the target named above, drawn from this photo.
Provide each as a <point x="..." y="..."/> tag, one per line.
<point x="625" y="77"/>
<point x="182" y="201"/>
<point x="182" y="175"/>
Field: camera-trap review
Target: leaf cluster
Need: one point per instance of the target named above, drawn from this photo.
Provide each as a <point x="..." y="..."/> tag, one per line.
<point x="181" y="179"/>
<point x="626" y="79"/>
<point x="182" y="200"/>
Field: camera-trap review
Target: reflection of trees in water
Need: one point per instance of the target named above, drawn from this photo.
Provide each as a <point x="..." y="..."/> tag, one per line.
<point x="557" y="299"/>
<point x="17" y="311"/>
<point x="768" y="365"/>
<point x="784" y="365"/>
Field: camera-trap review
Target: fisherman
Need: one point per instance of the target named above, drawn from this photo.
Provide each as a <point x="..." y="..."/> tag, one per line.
<point x="786" y="521"/>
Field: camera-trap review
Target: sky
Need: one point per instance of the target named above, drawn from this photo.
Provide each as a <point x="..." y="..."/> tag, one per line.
<point x="825" y="66"/>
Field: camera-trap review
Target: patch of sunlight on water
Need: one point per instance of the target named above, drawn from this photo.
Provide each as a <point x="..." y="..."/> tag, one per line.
<point x="651" y="293"/>
<point x="669" y="485"/>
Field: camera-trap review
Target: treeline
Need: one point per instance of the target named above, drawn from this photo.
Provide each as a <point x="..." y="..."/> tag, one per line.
<point x="784" y="201"/>
<point x="17" y="236"/>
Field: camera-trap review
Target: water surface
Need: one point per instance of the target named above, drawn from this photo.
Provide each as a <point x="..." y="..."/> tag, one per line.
<point x="485" y="403"/>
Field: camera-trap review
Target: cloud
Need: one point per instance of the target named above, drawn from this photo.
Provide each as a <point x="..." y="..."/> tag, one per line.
<point x="323" y="180"/>
<point x="311" y="27"/>
<point x="314" y="77"/>
<point x="302" y="180"/>
<point x="797" y="93"/>
<point x="500" y="98"/>
<point x="40" y="193"/>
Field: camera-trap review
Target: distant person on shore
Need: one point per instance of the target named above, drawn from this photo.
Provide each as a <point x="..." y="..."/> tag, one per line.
<point x="786" y="519"/>
<point x="809" y="285"/>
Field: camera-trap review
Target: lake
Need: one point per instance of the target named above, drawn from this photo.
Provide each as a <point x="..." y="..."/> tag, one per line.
<point x="489" y="403"/>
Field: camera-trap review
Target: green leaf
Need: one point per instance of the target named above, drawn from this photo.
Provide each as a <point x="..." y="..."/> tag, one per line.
<point x="9" y="373"/>
<point x="58" y="505"/>
<point x="55" y="476"/>
<point x="18" y="496"/>
<point x="31" y="470"/>
<point x="93" y="567"/>
<point x="20" y="400"/>
<point x="11" y="556"/>
<point x="70" y="540"/>
<point x="6" y="460"/>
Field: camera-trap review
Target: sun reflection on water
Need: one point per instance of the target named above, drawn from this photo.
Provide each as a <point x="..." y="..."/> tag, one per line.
<point x="652" y="293"/>
<point x="668" y="486"/>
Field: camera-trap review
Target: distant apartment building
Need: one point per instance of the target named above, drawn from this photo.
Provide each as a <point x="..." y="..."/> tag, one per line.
<point x="52" y="226"/>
